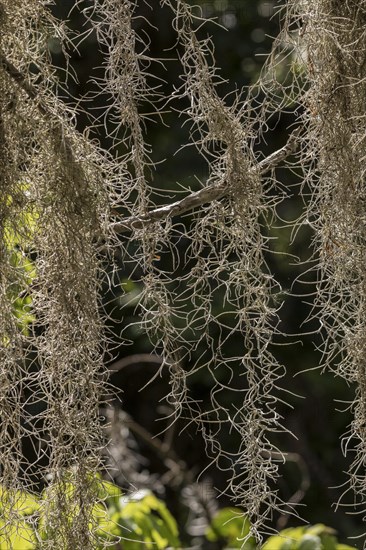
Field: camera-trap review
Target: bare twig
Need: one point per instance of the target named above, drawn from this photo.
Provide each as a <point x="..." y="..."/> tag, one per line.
<point x="206" y="195"/>
<point x="161" y="448"/>
<point x="136" y="359"/>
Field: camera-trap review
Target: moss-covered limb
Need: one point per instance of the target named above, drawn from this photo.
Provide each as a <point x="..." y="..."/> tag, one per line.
<point x="194" y="200"/>
<point x="205" y="195"/>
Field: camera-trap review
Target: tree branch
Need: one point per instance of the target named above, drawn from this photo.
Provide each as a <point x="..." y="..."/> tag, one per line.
<point x="205" y="195"/>
<point x="136" y="359"/>
<point x="23" y="83"/>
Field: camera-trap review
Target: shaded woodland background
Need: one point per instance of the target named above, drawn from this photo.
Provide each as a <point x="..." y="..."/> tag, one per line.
<point x="170" y="463"/>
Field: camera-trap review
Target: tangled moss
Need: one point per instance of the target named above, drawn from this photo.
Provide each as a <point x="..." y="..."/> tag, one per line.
<point x="48" y="168"/>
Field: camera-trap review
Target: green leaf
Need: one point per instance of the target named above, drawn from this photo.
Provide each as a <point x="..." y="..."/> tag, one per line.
<point x="18" y="536"/>
<point x="313" y="537"/>
<point x="329" y="542"/>
<point x="310" y="542"/>
<point x="326" y="534"/>
<point x="18" y="501"/>
<point x="320" y="529"/>
<point x="108" y="529"/>
<point x="146" y="519"/>
<point x="233" y="526"/>
<point x="278" y="542"/>
<point x="285" y="540"/>
<point x="15" y="531"/>
<point x="110" y="494"/>
<point x="19" y="233"/>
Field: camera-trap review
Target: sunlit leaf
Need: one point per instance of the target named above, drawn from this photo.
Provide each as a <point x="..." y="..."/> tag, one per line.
<point x="230" y="524"/>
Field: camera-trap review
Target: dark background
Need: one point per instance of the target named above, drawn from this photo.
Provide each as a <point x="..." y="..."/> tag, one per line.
<point x="316" y="466"/>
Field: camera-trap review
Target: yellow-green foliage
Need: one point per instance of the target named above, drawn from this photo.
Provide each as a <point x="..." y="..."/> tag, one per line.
<point x="18" y="238"/>
<point x="310" y="537"/>
<point x="139" y="518"/>
<point x="232" y="527"/>
<point x="20" y="533"/>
